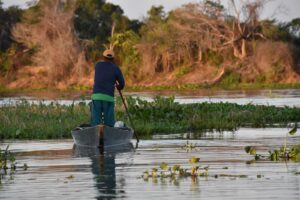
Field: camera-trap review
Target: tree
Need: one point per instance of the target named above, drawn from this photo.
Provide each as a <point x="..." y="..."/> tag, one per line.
<point x="8" y="49"/>
<point x="52" y="35"/>
<point x="156" y="43"/>
<point x="8" y="18"/>
<point x="94" y="20"/>
<point x="217" y="28"/>
<point x="293" y="28"/>
<point x="125" y="45"/>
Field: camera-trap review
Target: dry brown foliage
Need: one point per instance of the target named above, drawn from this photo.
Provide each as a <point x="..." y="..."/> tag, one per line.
<point x="194" y="30"/>
<point x="58" y="49"/>
<point x="275" y="61"/>
<point x="196" y="33"/>
<point x="211" y="27"/>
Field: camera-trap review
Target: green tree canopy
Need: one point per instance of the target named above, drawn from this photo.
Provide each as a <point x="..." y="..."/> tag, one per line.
<point x="94" y="20"/>
<point x="8" y="17"/>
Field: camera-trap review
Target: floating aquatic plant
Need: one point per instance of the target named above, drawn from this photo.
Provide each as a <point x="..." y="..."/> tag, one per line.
<point x="283" y="153"/>
<point x="174" y="172"/>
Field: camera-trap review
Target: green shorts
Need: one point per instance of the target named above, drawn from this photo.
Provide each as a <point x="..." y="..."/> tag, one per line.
<point x="103" y="112"/>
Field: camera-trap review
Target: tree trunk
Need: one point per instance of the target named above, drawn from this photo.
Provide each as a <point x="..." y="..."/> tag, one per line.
<point x="240" y="51"/>
<point x="200" y="55"/>
<point x="243" y="49"/>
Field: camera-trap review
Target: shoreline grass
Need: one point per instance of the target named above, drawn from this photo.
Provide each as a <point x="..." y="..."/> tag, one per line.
<point x="163" y="115"/>
<point x="177" y="88"/>
<point x="235" y="86"/>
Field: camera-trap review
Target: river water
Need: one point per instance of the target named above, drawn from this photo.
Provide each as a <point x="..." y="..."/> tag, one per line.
<point x="57" y="171"/>
<point x="287" y="97"/>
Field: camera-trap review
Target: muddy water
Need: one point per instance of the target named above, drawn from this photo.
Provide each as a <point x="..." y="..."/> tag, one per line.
<point x="57" y="171"/>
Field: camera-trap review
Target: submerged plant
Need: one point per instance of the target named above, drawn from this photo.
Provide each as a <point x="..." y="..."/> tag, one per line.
<point x="8" y="163"/>
<point x="283" y="153"/>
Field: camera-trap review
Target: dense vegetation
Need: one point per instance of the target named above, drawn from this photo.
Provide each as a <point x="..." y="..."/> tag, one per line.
<point x="163" y="115"/>
<point x="55" y="42"/>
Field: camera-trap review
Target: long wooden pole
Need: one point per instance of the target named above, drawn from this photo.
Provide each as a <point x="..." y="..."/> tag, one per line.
<point x="136" y="136"/>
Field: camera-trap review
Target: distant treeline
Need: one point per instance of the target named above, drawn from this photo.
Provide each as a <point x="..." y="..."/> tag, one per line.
<point x="198" y="43"/>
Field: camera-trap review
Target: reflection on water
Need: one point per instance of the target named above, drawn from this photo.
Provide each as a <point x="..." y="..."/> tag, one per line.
<point x="59" y="171"/>
<point x="103" y="167"/>
<point x="104" y="170"/>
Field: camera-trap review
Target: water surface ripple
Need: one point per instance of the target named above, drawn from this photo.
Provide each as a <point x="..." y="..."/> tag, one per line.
<point x="57" y="171"/>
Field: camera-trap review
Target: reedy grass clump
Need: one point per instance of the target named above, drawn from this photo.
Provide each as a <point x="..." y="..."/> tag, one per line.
<point x="40" y="121"/>
<point x="163" y="115"/>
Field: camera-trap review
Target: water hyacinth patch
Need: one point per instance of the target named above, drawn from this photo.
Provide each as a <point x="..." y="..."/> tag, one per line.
<point x="284" y="153"/>
<point x="164" y="171"/>
<point x="175" y="173"/>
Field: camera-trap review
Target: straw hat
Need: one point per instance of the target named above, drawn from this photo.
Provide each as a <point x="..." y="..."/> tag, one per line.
<point x="108" y="53"/>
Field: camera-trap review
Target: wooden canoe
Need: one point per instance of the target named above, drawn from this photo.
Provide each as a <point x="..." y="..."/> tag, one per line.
<point x="101" y="136"/>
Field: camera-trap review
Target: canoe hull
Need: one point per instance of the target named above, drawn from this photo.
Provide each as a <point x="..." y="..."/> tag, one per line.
<point x="96" y="136"/>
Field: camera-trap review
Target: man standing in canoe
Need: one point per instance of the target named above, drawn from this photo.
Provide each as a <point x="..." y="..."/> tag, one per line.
<point x="107" y="77"/>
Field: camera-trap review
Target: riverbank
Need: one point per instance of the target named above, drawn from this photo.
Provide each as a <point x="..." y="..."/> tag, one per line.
<point x="84" y="92"/>
<point x="163" y="115"/>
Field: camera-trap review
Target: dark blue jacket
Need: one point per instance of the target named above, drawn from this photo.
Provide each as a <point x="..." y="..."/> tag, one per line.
<point x="106" y="75"/>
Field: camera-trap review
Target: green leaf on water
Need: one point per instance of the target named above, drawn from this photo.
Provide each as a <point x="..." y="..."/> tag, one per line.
<point x="257" y="157"/>
<point x="194" y="160"/>
<point x="293" y="131"/>
<point x="252" y="151"/>
<point x="259" y="176"/>
<point x="70" y="177"/>
<point x="247" y="149"/>
<point x="154" y="172"/>
<point x="164" y="166"/>
<point x="249" y="162"/>
<point x="273" y="157"/>
<point x="154" y="169"/>
<point x="176" y="167"/>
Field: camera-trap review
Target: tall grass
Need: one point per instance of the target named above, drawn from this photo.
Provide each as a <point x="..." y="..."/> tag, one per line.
<point x="163" y="115"/>
<point x="29" y="121"/>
